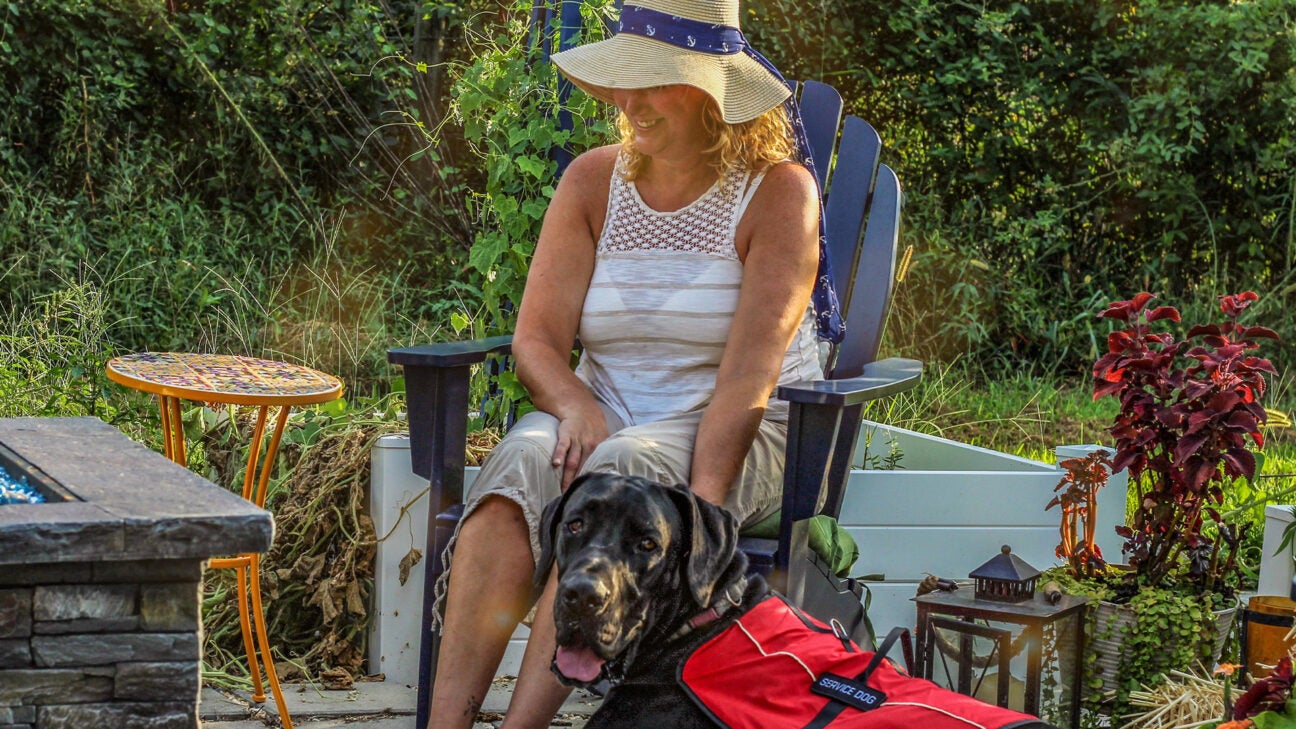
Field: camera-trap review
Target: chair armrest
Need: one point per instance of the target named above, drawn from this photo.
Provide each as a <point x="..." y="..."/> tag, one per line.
<point x="823" y="424"/>
<point x="879" y="379"/>
<point x="437" y="378"/>
<point x="451" y="354"/>
<point x="436" y="396"/>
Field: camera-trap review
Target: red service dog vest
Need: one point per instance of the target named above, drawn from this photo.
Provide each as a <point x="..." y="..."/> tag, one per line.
<point x="776" y="667"/>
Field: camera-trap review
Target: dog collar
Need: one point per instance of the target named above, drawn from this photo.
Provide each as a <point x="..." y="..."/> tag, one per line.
<point x="731" y="598"/>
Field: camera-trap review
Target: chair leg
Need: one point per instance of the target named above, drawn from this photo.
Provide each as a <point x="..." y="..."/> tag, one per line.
<point x="258" y="616"/>
<point x="442" y="528"/>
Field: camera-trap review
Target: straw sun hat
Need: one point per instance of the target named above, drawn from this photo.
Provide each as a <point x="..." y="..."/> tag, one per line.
<point x="740" y="85"/>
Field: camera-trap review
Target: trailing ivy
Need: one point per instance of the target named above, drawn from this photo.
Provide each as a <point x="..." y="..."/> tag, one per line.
<point x="1170" y="630"/>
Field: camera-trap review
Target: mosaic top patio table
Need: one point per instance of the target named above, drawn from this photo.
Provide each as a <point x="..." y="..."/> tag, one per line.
<point x="230" y="379"/>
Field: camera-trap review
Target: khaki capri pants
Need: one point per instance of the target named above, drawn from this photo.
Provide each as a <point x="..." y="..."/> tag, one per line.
<point x="521" y="470"/>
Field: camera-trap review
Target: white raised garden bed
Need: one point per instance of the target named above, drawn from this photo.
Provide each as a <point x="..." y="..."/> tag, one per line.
<point x="945" y="510"/>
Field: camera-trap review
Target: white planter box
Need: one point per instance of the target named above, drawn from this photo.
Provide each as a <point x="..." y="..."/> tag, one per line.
<point x="949" y="507"/>
<point x="945" y="511"/>
<point x="397" y="608"/>
<point x="1276" y="568"/>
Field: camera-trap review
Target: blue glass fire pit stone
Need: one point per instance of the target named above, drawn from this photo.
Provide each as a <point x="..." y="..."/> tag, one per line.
<point x="17" y="492"/>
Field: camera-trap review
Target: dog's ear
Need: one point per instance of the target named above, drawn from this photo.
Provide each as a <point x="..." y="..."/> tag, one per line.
<point x="711" y="538"/>
<point x="549" y="523"/>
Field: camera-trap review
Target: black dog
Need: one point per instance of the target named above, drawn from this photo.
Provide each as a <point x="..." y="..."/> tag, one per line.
<point x="637" y="562"/>
<point x="646" y="575"/>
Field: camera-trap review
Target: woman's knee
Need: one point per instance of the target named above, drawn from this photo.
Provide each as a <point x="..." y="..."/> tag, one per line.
<point x="493" y="517"/>
<point x="629" y="455"/>
<point x="524" y="451"/>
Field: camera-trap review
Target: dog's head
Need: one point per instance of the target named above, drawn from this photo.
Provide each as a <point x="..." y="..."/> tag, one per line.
<point x="635" y="558"/>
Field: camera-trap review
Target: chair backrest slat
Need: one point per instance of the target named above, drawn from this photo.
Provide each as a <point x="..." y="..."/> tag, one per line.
<point x="874" y="279"/>
<point x="570" y="17"/>
<point x="821" y="110"/>
<point x="848" y="192"/>
<point x="541" y="28"/>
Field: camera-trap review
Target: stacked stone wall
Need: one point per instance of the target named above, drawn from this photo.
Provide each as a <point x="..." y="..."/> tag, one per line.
<point x="106" y="645"/>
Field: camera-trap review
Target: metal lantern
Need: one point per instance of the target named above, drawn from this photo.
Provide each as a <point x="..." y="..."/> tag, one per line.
<point x="1006" y="578"/>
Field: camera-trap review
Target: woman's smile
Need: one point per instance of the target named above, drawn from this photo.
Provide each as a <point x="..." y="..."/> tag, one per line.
<point x="665" y="118"/>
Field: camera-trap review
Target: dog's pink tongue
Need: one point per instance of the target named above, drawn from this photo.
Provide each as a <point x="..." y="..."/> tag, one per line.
<point x="578" y="663"/>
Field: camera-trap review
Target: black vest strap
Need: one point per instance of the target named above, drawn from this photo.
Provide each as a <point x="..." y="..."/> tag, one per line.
<point x="833" y="709"/>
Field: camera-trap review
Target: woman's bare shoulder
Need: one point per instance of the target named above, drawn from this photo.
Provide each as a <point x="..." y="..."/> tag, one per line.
<point x="581" y="197"/>
<point x="788" y="188"/>
<point x="784" y="206"/>
<point x="788" y="181"/>
<point x="595" y="164"/>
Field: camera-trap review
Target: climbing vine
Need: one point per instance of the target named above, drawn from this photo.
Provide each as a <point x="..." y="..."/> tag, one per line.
<point x="507" y="98"/>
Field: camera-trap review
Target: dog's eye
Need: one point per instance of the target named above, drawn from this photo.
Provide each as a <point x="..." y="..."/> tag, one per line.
<point x="575" y="526"/>
<point x="647" y="545"/>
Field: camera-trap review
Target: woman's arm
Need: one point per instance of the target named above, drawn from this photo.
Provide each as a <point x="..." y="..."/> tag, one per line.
<point x="549" y="316"/>
<point x="780" y="233"/>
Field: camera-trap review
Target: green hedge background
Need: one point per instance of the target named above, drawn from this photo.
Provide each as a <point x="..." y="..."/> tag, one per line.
<point x="321" y="180"/>
<point x="293" y="177"/>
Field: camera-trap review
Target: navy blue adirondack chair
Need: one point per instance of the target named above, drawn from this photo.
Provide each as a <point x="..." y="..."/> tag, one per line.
<point x="862" y="213"/>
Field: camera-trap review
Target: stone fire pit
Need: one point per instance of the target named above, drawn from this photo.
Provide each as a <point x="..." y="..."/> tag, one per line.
<point x="99" y="587"/>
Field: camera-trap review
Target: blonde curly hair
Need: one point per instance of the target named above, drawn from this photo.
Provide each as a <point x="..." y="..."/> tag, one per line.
<point x="756" y="144"/>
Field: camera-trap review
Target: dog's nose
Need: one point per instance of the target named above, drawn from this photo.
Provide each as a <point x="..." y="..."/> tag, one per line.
<point x="583" y="593"/>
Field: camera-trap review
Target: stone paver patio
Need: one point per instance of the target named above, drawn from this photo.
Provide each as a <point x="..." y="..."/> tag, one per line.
<point x="376" y="705"/>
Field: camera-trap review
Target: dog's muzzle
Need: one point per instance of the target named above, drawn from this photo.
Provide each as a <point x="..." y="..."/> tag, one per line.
<point x="596" y="617"/>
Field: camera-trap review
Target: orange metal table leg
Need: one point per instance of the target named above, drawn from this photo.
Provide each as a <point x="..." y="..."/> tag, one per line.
<point x="248" y="566"/>
<point x="255" y="486"/>
<point x="242" y="566"/>
<point x="254" y="670"/>
<point x="173" y="442"/>
<point x="258" y="617"/>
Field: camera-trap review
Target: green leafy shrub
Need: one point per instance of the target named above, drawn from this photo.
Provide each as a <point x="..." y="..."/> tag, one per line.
<point x="1058" y="153"/>
<point x="1062" y="149"/>
<point x="52" y="356"/>
<point x="52" y="362"/>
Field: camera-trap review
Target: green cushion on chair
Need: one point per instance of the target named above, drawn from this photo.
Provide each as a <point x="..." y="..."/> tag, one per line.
<point x="828" y="539"/>
<point x="766" y="528"/>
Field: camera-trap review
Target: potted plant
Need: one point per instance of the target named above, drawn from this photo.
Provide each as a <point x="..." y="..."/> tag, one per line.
<point x="1077" y="494"/>
<point x="1188" y="418"/>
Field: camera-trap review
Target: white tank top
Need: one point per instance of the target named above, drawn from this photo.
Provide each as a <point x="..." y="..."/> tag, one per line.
<point x="662" y="299"/>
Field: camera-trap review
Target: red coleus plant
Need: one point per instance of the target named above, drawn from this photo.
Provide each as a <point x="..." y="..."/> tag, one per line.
<point x="1187" y="410"/>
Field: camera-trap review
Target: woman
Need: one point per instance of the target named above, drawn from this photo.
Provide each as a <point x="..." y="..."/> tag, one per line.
<point x="684" y="259"/>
